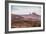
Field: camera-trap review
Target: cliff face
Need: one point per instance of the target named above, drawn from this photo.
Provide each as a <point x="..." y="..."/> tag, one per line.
<point x="32" y="17"/>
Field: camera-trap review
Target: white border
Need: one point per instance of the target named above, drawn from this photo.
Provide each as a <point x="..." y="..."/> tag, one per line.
<point x="21" y="29"/>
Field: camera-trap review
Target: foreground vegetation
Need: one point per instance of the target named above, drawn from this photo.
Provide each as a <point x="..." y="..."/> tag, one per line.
<point x="24" y="23"/>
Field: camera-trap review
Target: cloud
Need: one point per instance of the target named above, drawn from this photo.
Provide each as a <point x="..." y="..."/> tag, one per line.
<point x="21" y="10"/>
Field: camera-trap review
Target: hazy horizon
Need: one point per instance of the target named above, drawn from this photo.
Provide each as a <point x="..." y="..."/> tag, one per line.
<point x="23" y="10"/>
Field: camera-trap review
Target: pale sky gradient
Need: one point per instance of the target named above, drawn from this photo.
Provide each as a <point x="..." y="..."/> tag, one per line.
<point x="22" y="10"/>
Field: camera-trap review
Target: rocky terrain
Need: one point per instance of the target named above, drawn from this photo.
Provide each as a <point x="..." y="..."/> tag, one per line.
<point x="24" y="21"/>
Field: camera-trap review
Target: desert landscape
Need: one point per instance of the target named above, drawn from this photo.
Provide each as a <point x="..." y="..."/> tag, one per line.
<point x="24" y="21"/>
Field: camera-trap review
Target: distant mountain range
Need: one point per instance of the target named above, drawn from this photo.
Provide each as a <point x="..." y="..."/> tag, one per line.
<point x="32" y="17"/>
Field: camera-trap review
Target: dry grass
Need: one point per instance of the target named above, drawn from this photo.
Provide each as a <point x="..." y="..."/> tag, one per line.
<point x="24" y="23"/>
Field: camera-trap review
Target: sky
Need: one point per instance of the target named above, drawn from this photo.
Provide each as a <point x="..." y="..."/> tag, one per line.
<point x="23" y="10"/>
